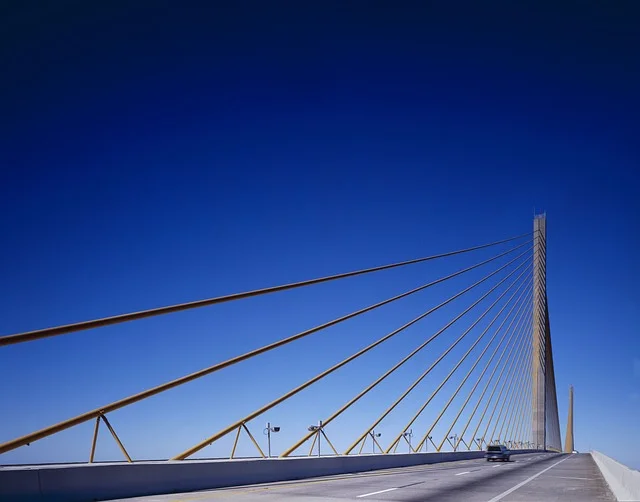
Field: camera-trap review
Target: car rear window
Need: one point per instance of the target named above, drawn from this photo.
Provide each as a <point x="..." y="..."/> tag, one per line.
<point x="494" y="448"/>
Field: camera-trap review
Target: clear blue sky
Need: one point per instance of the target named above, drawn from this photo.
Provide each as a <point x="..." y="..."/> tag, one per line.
<point x="152" y="156"/>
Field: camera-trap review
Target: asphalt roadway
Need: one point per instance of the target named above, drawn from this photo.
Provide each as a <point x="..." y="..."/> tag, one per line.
<point x="546" y="477"/>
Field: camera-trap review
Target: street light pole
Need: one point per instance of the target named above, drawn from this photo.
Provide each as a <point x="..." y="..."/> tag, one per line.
<point x="318" y="430"/>
<point x="408" y="435"/>
<point x="373" y="440"/>
<point x="268" y="430"/>
<point x="268" y="439"/>
<point x="455" y="439"/>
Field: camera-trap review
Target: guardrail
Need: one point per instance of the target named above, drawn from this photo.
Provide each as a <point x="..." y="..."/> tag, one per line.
<point x="623" y="481"/>
<point x="91" y="482"/>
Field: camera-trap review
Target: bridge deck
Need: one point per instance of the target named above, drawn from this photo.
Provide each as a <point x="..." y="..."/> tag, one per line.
<point x="530" y="477"/>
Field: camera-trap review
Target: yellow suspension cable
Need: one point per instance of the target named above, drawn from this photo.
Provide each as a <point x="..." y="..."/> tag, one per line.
<point x="520" y="328"/>
<point x="121" y="318"/>
<point x="510" y="346"/>
<point x="514" y="422"/>
<point x="353" y="445"/>
<point x="486" y="367"/>
<point x="260" y="411"/>
<point x="53" y="429"/>
<point x="517" y="433"/>
<point x="517" y="395"/>
<point x="455" y="368"/>
<point x="346" y="406"/>
<point x="512" y="371"/>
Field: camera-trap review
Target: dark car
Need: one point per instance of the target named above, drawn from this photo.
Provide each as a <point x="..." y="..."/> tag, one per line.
<point x="498" y="452"/>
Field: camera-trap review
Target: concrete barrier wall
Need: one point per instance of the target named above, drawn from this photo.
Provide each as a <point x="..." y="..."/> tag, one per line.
<point x="623" y="481"/>
<point x="91" y="482"/>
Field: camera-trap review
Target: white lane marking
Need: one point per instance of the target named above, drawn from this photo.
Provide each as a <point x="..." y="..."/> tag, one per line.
<point x="570" y="477"/>
<point x="375" y="493"/>
<point x="528" y="480"/>
<point x="494" y="466"/>
<point x="461" y="473"/>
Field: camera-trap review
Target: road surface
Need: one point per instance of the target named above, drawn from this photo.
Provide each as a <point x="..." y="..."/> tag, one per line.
<point x="538" y="477"/>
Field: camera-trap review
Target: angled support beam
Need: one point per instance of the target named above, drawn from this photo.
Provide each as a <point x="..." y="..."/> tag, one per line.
<point x="253" y="440"/>
<point x="324" y="435"/>
<point x="313" y="443"/>
<point x="113" y="433"/>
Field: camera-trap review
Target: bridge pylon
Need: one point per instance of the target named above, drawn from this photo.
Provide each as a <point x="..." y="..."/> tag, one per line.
<point x="545" y="425"/>
<point x="568" y="442"/>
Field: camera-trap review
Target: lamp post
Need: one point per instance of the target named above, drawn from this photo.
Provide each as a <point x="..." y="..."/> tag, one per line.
<point x="455" y="444"/>
<point x="268" y="430"/>
<point x="317" y="429"/>
<point x="426" y="444"/>
<point x="408" y="435"/>
<point x="373" y="437"/>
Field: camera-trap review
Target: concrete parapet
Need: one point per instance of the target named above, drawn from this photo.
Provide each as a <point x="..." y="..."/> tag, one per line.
<point x="623" y="481"/>
<point x="91" y="482"/>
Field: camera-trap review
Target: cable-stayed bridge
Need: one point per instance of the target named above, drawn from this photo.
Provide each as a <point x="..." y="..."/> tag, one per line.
<point x="482" y="374"/>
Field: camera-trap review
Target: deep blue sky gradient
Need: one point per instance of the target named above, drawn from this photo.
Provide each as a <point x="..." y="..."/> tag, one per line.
<point x="152" y="155"/>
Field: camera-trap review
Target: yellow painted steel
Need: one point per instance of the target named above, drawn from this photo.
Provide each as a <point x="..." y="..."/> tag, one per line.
<point x="330" y="444"/>
<point x="512" y="422"/>
<point x="486" y="387"/>
<point x="520" y="395"/>
<point x="311" y="381"/>
<point x="523" y="413"/>
<point x="408" y="443"/>
<point x="377" y="444"/>
<point x="364" y="441"/>
<point x="514" y="429"/>
<point x="455" y="368"/>
<point x="520" y="303"/>
<point x="508" y="364"/>
<point x="115" y="436"/>
<point x="47" y="431"/>
<point x="499" y="399"/>
<point x="512" y="337"/>
<point x="517" y="395"/>
<point x="235" y="443"/>
<point x="522" y="426"/>
<point x="95" y="439"/>
<point x="413" y="353"/>
<point x="466" y="354"/>
<point x="254" y="441"/>
<point x="117" y="319"/>
<point x="308" y="383"/>
<point x="424" y="374"/>
<point x="315" y="437"/>
<point x="499" y="402"/>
